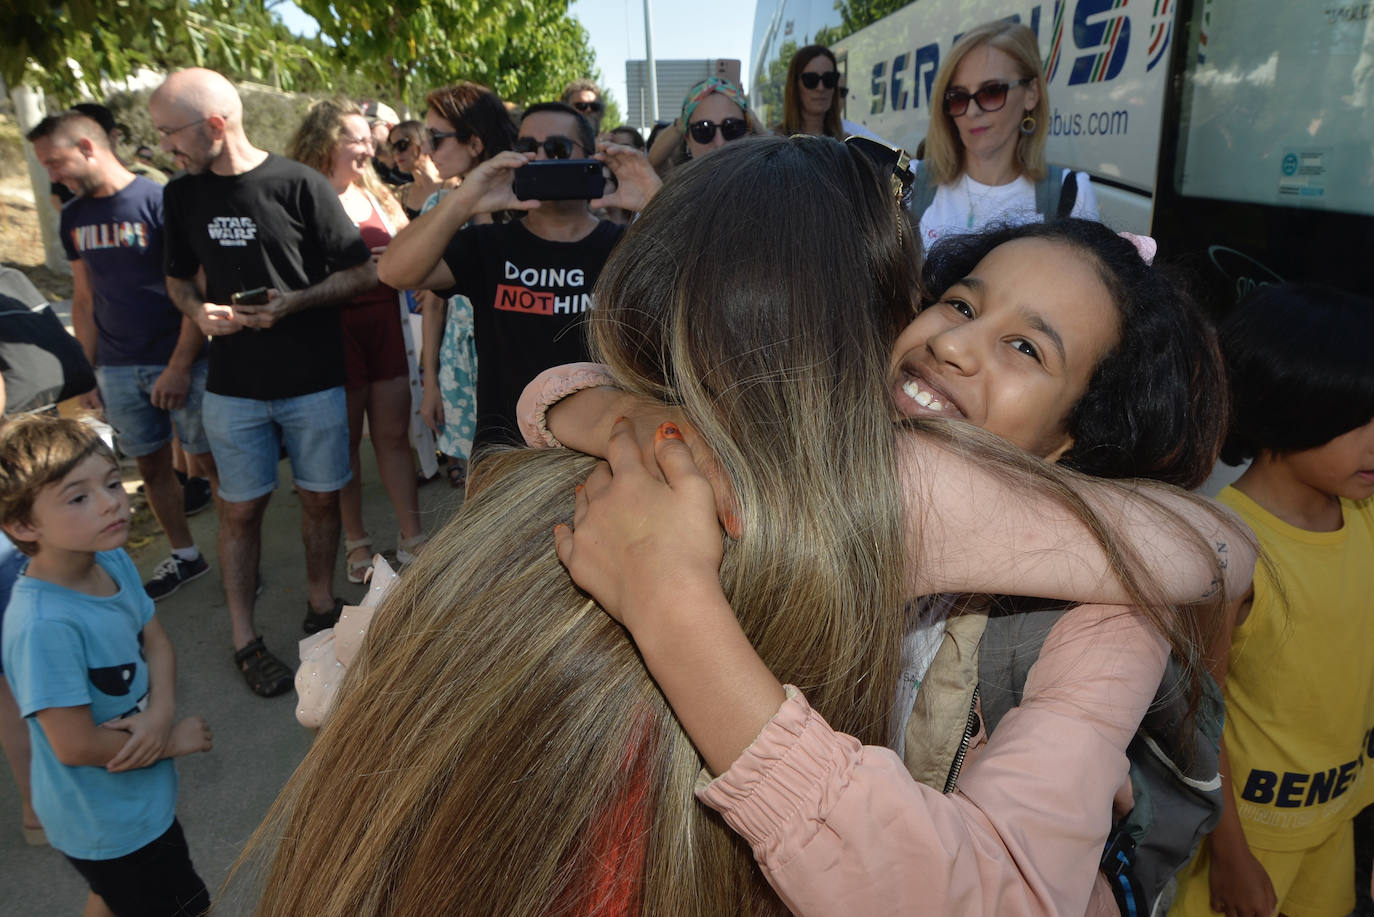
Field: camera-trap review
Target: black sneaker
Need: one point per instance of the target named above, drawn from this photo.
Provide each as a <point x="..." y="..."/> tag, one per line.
<point x="172" y="573"/>
<point x="196" y="495"/>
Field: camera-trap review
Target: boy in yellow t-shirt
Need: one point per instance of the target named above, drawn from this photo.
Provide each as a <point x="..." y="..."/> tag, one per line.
<point x="1300" y="686"/>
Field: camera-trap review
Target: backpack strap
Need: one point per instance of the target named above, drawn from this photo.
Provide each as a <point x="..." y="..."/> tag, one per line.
<point x="922" y="191"/>
<point x="1056" y="193"/>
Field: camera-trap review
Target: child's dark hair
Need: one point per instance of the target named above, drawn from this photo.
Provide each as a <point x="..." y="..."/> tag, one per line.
<point x="1298" y="355"/>
<point x="1156" y="404"/>
<point x="36" y="451"/>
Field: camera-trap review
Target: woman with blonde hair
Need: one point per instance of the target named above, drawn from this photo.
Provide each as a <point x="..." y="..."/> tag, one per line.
<point x="498" y="741"/>
<point x="334" y="138"/>
<point x="984" y="159"/>
<point x="410" y="147"/>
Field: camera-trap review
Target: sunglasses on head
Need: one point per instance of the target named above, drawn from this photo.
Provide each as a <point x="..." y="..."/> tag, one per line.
<point x="554" y="147"/>
<point x="704" y="132"/>
<point x="830" y="79"/>
<point x="400" y="146"/>
<point x="588" y="107"/>
<point x="989" y="96"/>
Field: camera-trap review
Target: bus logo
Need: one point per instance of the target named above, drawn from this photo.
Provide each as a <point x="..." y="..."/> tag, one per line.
<point x="1109" y="35"/>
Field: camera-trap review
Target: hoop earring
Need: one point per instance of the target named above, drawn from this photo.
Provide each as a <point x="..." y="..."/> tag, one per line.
<point x="1028" y="124"/>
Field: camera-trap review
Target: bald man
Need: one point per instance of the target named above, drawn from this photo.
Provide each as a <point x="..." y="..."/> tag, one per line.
<point x="149" y="358"/>
<point x="278" y="255"/>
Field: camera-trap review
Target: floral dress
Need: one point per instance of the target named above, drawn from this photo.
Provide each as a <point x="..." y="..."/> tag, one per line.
<point x="457" y="371"/>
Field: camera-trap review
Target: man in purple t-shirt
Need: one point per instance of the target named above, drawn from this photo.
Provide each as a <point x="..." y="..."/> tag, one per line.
<point x="149" y="358"/>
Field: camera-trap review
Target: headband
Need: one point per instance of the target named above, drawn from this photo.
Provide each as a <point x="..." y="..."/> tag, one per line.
<point x="712" y="84"/>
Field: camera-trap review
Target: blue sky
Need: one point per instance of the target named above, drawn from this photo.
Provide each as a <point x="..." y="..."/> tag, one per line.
<point x="700" y="29"/>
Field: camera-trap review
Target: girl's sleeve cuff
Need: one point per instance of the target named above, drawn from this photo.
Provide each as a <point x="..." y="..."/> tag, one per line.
<point x="548" y="388"/>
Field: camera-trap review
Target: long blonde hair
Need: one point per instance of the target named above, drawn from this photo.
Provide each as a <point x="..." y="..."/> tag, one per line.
<point x="944" y="151"/>
<point x="314" y="141"/>
<point x="498" y="746"/>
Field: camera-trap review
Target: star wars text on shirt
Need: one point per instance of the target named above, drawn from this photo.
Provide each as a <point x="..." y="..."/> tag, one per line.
<point x="563" y="291"/>
<point x="232" y="232"/>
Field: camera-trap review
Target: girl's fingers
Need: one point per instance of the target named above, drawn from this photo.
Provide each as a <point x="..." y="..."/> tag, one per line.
<point x="563" y="543"/>
<point x="622" y="449"/>
<point x="674" y="457"/>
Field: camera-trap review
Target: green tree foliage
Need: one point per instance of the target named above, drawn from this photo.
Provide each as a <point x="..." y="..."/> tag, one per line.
<point x="854" y="15"/>
<point x="65" y="46"/>
<point x="526" y="50"/>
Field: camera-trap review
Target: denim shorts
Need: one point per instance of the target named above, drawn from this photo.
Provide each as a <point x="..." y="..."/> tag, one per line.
<point x="246" y="436"/>
<point x="141" y="428"/>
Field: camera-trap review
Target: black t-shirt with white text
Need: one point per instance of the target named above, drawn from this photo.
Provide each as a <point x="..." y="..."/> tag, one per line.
<point x="529" y="301"/>
<point x="278" y="225"/>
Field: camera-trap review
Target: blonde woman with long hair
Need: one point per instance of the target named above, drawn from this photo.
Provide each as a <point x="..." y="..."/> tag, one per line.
<point x="334" y="139"/>
<point x="498" y="745"/>
<point x="985" y="148"/>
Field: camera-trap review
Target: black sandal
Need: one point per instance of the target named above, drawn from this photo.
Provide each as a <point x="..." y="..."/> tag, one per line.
<point x="457" y="474"/>
<point x="266" y="675"/>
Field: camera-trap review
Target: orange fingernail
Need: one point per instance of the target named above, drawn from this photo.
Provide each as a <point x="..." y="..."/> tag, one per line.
<point x="621" y="419"/>
<point x="669" y="431"/>
<point x="579" y="488"/>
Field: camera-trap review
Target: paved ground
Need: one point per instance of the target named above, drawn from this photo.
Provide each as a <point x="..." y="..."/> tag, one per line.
<point x="225" y="793"/>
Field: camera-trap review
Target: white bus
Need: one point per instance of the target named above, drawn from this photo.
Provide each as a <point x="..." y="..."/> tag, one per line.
<point x="1239" y="132"/>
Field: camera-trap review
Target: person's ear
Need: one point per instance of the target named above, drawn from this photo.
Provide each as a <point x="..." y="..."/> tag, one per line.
<point x="476" y="147"/>
<point x="216" y="125"/>
<point x="21" y="531"/>
<point x="1032" y="95"/>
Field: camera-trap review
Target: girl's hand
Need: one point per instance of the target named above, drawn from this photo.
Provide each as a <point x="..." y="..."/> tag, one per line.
<point x="488" y="187"/>
<point x="636" y="180"/>
<point x="432" y="406"/>
<point x="638" y="543"/>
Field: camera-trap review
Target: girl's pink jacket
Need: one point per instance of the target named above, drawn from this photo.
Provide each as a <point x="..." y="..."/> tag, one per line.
<point x="839" y="827"/>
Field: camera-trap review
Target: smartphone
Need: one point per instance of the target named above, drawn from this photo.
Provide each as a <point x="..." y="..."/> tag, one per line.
<point x="254" y="297"/>
<point x="560" y="180"/>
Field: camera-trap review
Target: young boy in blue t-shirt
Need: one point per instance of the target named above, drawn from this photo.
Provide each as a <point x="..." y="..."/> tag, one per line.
<point x="93" y="673"/>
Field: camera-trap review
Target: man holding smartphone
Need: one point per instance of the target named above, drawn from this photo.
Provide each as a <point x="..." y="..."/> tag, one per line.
<point x="529" y="280"/>
<point x="149" y="358"/>
<point x="272" y="231"/>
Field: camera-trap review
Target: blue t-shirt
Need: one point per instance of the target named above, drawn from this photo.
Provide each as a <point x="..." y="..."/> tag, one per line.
<point x="119" y="238"/>
<point x="67" y="649"/>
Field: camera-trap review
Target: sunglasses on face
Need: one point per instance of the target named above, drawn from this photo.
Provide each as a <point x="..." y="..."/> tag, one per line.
<point x="554" y="147"/>
<point x="588" y="108"/>
<point x="438" y="137"/>
<point x="400" y="146"/>
<point x="830" y="79"/>
<point x="990" y="97"/>
<point x="704" y="132"/>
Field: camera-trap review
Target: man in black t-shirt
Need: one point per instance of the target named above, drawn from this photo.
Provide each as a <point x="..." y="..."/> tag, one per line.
<point x="530" y="281"/>
<point x="278" y="254"/>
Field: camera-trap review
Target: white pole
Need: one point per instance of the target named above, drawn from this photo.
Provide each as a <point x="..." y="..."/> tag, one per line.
<point x="29" y="109"/>
<point x="649" y="62"/>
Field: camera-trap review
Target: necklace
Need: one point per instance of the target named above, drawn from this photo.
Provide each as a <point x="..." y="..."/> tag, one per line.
<point x="974" y="201"/>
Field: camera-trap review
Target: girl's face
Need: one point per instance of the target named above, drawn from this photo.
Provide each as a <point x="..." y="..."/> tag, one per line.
<point x="452" y="158"/>
<point x="816" y="102"/>
<point x="1343" y="466"/>
<point x="714" y="108"/>
<point x="353" y="149"/>
<point x="406" y="149"/>
<point x="992" y="134"/>
<point x="1010" y="348"/>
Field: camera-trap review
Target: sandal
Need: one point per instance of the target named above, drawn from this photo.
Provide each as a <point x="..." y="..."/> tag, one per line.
<point x="316" y="621"/>
<point x="357" y="569"/>
<point x="266" y="675"/>
<point x="458" y="474"/>
<point x="407" y="549"/>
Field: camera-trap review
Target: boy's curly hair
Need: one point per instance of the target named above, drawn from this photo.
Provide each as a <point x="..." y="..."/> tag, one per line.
<point x="36" y="451"/>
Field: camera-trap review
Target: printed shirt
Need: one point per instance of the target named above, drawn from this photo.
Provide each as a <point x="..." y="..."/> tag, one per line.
<point x="64" y="648"/>
<point x="1300" y="691"/>
<point x="279" y="225"/>
<point x="119" y="240"/>
<point x="529" y="298"/>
